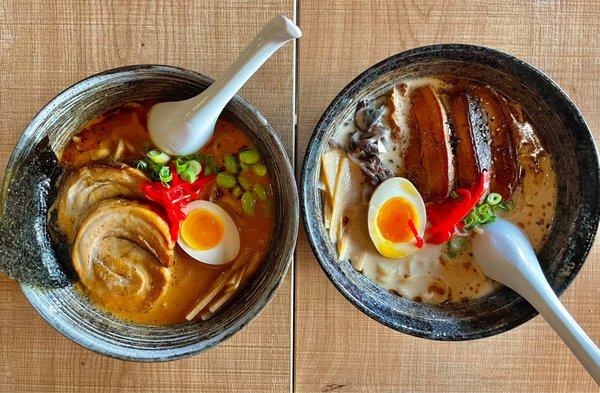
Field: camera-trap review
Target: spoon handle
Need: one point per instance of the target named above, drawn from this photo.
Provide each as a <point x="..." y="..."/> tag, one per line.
<point x="273" y="36"/>
<point x="547" y="304"/>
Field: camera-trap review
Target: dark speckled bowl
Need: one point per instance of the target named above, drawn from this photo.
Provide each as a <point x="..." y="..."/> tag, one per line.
<point x="79" y="320"/>
<point x="565" y="135"/>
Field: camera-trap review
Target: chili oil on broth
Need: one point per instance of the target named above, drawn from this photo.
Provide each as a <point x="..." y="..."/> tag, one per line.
<point x="120" y="135"/>
<point x="430" y="275"/>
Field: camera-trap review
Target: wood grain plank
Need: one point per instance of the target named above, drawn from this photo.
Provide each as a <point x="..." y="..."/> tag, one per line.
<point x="337" y="347"/>
<point x="47" y="46"/>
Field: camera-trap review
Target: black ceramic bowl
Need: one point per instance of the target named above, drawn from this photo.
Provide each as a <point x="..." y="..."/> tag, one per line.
<point x="72" y="314"/>
<point x="565" y="135"/>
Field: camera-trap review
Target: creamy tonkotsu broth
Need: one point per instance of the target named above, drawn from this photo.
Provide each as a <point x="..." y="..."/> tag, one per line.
<point x="435" y="273"/>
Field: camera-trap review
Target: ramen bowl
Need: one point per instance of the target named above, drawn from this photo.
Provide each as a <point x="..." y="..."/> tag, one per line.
<point x="566" y="137"/>
<point x="71" y="313"/>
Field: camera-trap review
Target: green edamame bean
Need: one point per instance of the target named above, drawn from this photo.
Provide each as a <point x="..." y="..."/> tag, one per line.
<point x="225" y="180"/>
<point x="245" y="183"/>
<point x="250" y="156"/>
<point x="259" y="169"/>
<point x="237" y="191"/>
<point x="230" y="164"/>
<point x="248" y="203"/>
<point x="260" y="192"/>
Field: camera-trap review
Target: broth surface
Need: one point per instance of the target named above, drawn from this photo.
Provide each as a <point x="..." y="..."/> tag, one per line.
<point x="121" y="136"/>
<point x="430" y="275"/>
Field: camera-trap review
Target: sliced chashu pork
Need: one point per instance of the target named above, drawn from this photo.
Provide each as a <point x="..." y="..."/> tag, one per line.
<point x="89" y="185"/>
<point x="505" y="168"/>
<point x="121" y="252"/>
<point x="428" y="157"/>
<point x="472" y="154"/>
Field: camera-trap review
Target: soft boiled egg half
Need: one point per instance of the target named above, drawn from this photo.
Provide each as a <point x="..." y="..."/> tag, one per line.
<point x="208" y="233"/>
<point x="393" y="204"/>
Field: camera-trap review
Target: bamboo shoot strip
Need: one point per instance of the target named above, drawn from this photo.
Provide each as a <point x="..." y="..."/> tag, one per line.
<point x="218" y="284"/>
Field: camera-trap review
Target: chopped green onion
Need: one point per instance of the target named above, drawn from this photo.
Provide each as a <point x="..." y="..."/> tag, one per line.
<point x="510" y="206"/>
<point x="470" y="220"/>
<point x="457" y="244"/>
<point x="485" y="213"/>
<point x="164" y="174"/>
<point x="194" y="167"/>
<point x="494" y="198"/>
<point x="158" y="156"/>
<point x="189" y="176"/>
<point x="141" y="165"/>
<point x="454" y="195"/>
<point x="180" y="165"/>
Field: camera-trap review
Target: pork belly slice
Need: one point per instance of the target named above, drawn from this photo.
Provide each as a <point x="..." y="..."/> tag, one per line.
<point x="428" y="157"/>
<point x="121" y="254"/>
<point x="505" y="167"/>
<point x="471" y="134"/>
<point x="86" y="186"/>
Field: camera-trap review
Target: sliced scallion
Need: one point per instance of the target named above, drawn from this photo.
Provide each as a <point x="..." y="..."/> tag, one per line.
<point x="158" y="156"/>
<point x="181" y="165"/>
<point x="494" y="198"/>
<point x="141" y="165"/>
<point x="194" y="167"/>
<point x="457" y="243"/>
<point x="164" y="174"/>
<point x="188" y="176"/>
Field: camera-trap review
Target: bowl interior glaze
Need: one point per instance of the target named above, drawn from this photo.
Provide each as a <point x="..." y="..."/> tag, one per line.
<point x="72" y="314"/>
<point x="564" y="134"/>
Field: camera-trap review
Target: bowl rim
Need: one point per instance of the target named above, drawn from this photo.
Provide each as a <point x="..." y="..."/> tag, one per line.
<point x="164" y="354"/>
<point x="311" y="157"/>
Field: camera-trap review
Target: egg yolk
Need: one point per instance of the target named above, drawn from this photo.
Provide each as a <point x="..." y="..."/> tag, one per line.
<point x="202" y="230"/>
<point x="392" y="220"/>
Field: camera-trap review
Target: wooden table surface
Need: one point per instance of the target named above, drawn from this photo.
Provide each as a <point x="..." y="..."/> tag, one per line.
<point x="309" y="339"/>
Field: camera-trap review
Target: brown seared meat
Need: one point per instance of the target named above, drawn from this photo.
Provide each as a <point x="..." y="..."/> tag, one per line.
<point x="472" y="154"/>
<point x="89" y="185"/>
<point x="506" y="171"/>
<point x="121" y="253"/>
<point x="428" y="158"/>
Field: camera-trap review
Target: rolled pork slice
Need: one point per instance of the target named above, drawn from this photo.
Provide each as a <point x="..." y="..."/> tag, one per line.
<point x="121" y="254"/>
<point x="86" y="186"/>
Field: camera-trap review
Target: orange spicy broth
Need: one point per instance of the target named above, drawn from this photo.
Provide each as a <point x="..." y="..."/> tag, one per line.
<point x="190" y="279"/>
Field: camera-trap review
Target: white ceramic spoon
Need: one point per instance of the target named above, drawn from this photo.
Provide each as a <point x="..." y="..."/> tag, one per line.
<point x="504" y="254"/>
<point x="183" y="127"/>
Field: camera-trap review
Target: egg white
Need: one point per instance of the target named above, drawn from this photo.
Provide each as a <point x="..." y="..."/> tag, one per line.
<point x="227" y="249"/>
<point x="396" y="187"/>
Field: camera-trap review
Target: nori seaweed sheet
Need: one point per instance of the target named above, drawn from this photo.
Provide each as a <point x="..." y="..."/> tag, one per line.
<point x="27" y="252"/>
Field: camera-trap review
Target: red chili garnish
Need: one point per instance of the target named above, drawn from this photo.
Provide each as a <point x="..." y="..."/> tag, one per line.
<point x="413" y="229"/>
<point x="175" y="196"/>
<point x="446" y="217"/>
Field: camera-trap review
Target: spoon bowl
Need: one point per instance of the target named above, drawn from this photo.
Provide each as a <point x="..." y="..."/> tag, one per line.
<point x="503" y="253"/>
<point x="184" y="127"/>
